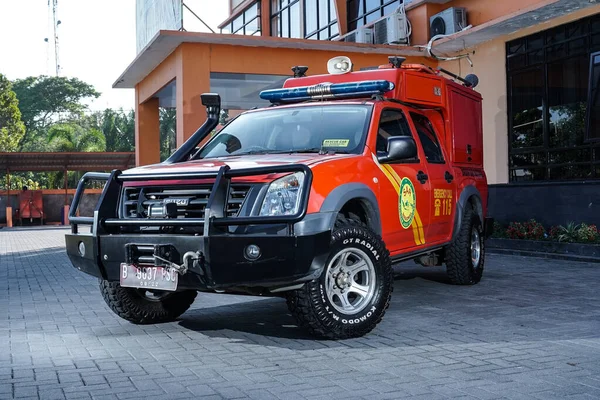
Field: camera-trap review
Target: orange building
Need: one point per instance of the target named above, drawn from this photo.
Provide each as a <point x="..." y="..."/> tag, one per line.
<point x="538" y="62"/>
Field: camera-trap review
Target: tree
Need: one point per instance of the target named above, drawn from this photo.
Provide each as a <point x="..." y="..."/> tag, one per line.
<point x="73" y="137"/>
<point x="12" y="128"/>
<point x="168" y="128"/>
<point x="119" y="129"/>
<point x="44" y="100"/>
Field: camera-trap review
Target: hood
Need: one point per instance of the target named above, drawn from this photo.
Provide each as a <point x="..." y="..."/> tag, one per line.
<point x="237" y="162"/>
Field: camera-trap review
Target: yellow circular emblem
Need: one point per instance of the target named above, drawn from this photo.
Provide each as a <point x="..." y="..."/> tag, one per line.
<point x="407" y="203"/>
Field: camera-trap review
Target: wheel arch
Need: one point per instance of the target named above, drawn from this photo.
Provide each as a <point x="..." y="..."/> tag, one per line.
<point x="352" y="197"/>
<point x="469" y="197"/>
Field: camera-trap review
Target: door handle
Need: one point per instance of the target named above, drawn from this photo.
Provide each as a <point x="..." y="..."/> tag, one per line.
<point x="448" y="177"/>
<point x="422" y="177"/>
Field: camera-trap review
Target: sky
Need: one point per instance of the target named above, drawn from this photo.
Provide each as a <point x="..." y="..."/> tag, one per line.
<point x="96" y="41"/>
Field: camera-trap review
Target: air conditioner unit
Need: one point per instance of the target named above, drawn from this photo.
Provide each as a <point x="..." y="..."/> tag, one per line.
<point x="392" y="29"/>
<point x="449" y="21"/>
<point x="361" y="35"/>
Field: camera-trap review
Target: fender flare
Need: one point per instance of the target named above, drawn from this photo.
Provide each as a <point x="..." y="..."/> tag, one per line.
<point x="467" y="193"/>
<point x="341" y="195"/>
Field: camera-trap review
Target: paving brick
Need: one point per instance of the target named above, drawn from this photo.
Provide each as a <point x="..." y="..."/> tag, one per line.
<point x="528" y="330"/>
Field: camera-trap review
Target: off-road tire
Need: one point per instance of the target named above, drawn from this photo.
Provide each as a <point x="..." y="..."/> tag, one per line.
<point x="310" y="304"/>
<point x="459" y="264"/>
<point x="130" y="305"/>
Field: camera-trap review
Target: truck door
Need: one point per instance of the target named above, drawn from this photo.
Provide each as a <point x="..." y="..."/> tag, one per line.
<point x="440" y="178"/>
<point x="404" y="199"/>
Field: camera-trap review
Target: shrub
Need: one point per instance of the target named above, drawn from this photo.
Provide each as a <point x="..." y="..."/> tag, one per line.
<point x="588" y="233"/>
<point x="526" y="230"/>
<point x="554" y="232"/>
<point x="499" y="230"/>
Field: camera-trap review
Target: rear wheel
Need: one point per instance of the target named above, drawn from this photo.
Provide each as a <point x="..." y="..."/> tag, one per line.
<point x="466" y="255"/>
<point x="141" y="306"/>
<point x="353" y="292"/>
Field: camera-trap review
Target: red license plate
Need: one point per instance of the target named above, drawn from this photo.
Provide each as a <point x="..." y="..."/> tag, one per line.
<point x="159" y="278"/>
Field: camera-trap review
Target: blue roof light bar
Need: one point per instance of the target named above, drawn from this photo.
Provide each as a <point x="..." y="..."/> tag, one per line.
<point x="327" y="90"/>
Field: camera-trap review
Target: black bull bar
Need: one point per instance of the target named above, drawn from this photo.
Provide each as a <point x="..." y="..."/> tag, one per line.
<point x="215" y="257"/>
<point x="106" y="210"/>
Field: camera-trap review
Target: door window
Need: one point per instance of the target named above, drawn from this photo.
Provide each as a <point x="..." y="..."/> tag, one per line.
<point x="391" y="123"/>
<point x="429" y="142"/>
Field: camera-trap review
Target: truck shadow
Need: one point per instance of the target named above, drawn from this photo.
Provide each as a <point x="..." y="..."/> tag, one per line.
<point x="267" y="321"/>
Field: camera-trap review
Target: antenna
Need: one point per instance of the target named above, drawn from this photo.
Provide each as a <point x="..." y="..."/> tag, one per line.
<point x="52" y="11"/>
<point x="56" y="23"/>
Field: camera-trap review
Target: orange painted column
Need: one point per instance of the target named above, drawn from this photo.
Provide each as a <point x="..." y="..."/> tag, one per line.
<point x="341" y="9"/>
<point x="9" y="221"/>
<point x="193" y="79"/>
<point x="147" y="132"/>
<point x="419" y="19"/>
<point x="265" y="18"/>
<point x="66" y="209"/>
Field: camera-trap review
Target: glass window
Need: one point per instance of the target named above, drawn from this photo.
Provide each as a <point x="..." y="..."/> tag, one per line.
<point x="361" y="12"/>
<point x="310" y="16"/>
<point x="247" y="23"/>
<point x="237" y="23"/>
<point x="240" y="91"/>
<point x="295" y="21"/>
<point x="593" y="132"/>
<point x="303" y="129"/>
<point x="427" y="136"/>
<point x="554" y="103"/>
<point x="527" y="109"/>
<point x="567" y="101"/>
<point x="285" y="18"/>
<point x="319" y="18"/>
<point x="391" y="123"/>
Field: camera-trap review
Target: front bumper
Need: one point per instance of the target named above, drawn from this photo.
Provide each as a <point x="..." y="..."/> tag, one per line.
<point x="294" y="248"/>
<point x="284" y="260"/>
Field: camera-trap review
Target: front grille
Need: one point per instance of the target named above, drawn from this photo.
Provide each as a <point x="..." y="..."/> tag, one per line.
<point x="191" y="200"/>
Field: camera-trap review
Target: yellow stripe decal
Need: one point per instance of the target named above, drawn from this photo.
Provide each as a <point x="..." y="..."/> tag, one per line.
<point x="395" y="180"/>
<point x="416" y="224"/>
<point x="420" y="224"/>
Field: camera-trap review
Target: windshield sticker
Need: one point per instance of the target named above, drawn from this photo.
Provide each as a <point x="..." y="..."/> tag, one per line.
<point x="336" y="142"/>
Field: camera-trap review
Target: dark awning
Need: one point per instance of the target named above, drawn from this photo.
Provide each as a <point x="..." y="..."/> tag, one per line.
<point x="88" y="161"/>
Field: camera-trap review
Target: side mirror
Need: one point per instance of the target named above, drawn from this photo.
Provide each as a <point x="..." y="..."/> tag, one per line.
<point x="399" y="148"/>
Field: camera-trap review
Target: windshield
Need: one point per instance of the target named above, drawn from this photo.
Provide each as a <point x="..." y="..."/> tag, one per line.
<point x="309" y="129"/>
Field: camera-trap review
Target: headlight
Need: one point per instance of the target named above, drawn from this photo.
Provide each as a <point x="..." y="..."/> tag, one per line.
<point x="283" y="195"/>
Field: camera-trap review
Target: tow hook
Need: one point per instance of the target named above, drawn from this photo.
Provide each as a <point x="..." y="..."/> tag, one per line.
<point x="190" y="256"/>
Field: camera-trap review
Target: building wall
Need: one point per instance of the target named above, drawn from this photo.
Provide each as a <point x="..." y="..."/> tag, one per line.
<point x="489" y="64"/>
<point x="551" y="203"/>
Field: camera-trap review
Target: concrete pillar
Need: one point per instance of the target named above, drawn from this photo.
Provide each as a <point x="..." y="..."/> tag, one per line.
<point x="193" y="79"/>
<point x="147" y="132"/>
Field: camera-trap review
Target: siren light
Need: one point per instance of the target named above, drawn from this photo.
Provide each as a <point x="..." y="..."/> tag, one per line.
<point x="327" y="90"/>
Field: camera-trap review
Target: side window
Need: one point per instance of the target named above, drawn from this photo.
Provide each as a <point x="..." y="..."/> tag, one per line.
<point x="429" y="141"/>
<point x="391" y="123"/>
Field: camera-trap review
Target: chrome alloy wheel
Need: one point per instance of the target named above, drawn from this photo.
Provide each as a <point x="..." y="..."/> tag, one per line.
<point x="475" y="248"/>
<point x="350" y="281"/>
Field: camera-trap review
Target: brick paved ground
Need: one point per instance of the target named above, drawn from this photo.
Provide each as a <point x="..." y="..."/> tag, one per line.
<point x="529" y="330"/>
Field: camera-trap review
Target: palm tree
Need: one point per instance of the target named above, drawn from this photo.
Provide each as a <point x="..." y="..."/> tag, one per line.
<point x="71" y="137"/>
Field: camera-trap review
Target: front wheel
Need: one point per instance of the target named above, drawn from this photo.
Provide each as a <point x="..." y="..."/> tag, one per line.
<point x="353" y="292"/>
<point x="141" y="306"/>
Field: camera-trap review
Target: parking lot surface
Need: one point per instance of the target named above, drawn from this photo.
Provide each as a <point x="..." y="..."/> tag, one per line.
<point x="529" y="330"/>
